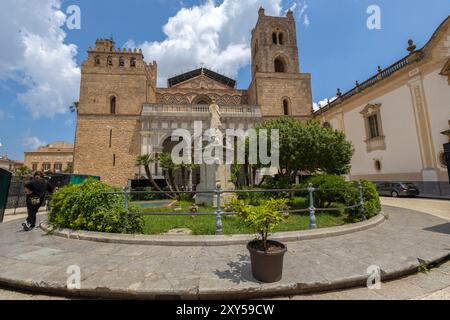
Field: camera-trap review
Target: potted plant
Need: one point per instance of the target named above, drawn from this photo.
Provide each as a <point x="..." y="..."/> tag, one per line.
<point x="266" y="256"/>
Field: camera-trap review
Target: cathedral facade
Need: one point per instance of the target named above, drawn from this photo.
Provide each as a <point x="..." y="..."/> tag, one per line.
<point x="123" y="114"/>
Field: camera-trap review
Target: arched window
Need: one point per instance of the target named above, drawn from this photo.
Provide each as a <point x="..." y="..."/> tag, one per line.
<point x="280" y="38"/>
<point x="285" y="107"/>
<point x="279" y="65"/>
<point x="113" y="105"/>
<point x="274" y="38"/>
<point x="110" y="61"/>
<point x="121" y="62"/>
<point x="97" y="60"/>
<point x="133" y="62"/>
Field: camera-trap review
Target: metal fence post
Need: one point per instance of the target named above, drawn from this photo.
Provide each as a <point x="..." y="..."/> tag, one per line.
<point x="19" y="195"/>
<point x="361" y="200"/>
<point x="312" y="209"/>
<point x="219" y="211"/>
<point x="126" y="193"/>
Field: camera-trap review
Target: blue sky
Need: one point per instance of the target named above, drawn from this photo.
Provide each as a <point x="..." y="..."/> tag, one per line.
<point x="39" y="75"/>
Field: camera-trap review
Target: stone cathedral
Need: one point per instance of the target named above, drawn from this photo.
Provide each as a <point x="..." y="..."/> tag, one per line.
<point x="123" y="114"/>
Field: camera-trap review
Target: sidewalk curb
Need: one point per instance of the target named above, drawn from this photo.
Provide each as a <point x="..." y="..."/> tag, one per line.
<point x="211" y="241"/>
<point x="263" y="291"/>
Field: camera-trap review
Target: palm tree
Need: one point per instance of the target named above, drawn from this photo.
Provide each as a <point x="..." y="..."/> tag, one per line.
<point x="167" y="164"/>
<point x="74" y="107"/>
<point x="145" y="161"/>
<point x="188" y="168"/>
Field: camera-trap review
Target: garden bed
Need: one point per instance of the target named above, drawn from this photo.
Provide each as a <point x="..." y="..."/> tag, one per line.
<point x="205" y="225"/>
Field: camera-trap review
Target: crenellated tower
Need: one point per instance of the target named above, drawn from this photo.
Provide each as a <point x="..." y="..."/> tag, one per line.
<point x="115" y="83"/>
<point x="111" y="72"/>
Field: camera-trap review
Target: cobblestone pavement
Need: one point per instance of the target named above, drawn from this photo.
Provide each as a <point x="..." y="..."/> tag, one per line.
<point x="41" y="261"/>
<point x="438" y="208"/>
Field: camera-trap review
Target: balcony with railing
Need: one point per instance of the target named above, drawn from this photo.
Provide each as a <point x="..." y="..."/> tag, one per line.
<point x="169" y="110"/>
<point x="381" y="75"/>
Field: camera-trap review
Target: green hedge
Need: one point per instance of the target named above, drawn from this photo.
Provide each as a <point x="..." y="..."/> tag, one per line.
<point x="324" y="198"/>
<point x="87" y="207"/>
<point x="350" y="197"/>
<point x="372" y="203"/>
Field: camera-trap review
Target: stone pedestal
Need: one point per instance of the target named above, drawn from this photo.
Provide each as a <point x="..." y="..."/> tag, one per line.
<point x="210" y="177"/>
<point x="213" y="173"/>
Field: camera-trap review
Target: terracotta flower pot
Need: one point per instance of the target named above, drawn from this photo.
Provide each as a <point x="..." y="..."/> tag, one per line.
<point x="267" y="266"/>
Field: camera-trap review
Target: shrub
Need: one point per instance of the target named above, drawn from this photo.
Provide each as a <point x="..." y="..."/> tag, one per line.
<point x="299" y="203"/>
<point x="87" y="207"/>
<point x="185" y="197"/>
<point x="347" y="194"/>
<point x="263" y="219"/>
<point x="148" y="196"/>
<point x="372" y="203"/>
<point x="277" y="182"/>
<point x="252" y="198"/>
<point x="323" y="198"/>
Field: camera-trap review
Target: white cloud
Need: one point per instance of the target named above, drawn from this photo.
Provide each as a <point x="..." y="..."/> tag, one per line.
<point x="4" y="115"/>
<point x="34" y="54"/>
<point x="217" y="36"/>
<point x="33" y="143"/>
<point x="299" y="8"/>
<point x="306" y="21"/>
<point x="322" y="103"/>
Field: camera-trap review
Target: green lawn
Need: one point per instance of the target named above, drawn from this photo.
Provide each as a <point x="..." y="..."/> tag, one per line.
<point x="205" y="225"/>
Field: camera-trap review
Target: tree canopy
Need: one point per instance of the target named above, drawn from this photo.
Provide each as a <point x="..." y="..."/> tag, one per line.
<point x="310" y="147"/>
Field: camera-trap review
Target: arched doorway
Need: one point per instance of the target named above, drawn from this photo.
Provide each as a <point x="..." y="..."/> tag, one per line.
<point x="202" y="100"/>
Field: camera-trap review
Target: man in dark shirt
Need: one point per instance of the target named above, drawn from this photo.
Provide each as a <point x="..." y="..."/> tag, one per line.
<point x="36" y="190"/>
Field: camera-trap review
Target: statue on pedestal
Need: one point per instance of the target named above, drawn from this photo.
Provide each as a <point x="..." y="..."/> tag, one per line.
<point x="214" y="110"/>
<point x="212" y="175"/>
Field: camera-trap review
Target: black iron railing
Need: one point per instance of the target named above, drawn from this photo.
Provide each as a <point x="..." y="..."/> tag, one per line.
<point x="219" y="194"/>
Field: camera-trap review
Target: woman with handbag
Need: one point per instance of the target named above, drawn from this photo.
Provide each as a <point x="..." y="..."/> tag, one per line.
<point x="36" y="190"/>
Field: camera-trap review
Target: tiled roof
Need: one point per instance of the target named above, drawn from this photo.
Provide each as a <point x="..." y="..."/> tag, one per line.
<point x="202" y="71"/>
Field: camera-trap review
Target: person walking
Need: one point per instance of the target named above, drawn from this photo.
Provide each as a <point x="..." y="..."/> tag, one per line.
<point x="36" y="191"/>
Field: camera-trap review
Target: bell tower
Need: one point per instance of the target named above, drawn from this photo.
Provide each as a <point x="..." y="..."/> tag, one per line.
<point x="115" y="83"/>
<point x="277" y="84"/>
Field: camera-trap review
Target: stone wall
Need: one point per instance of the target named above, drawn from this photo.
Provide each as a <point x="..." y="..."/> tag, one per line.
<point x="107" y="146"/>
<point x="270" y="90"/>
<point x="107" y="143"/>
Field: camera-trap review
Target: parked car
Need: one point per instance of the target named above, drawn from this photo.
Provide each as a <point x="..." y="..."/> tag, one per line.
<point x="398" y="189"/>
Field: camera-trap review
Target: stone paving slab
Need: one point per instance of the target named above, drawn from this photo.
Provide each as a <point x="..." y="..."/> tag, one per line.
<point x="36" y="261"/>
